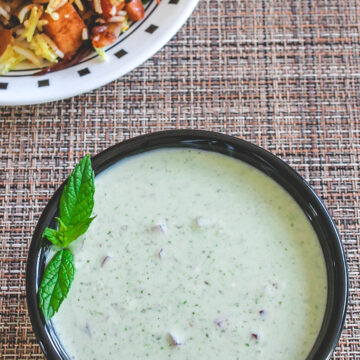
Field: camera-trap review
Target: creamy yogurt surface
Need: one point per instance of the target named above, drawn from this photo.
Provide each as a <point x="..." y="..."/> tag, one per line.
<point x="193" y="255"/>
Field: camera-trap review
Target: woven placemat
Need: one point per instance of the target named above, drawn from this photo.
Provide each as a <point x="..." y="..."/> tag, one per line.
<point x="283" y="74"/>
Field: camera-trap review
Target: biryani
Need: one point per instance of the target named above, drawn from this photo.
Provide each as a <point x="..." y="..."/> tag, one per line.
<point x="61" y="32"/>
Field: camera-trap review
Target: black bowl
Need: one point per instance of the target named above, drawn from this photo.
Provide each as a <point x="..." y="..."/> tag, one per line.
<point x="283" y="174"/>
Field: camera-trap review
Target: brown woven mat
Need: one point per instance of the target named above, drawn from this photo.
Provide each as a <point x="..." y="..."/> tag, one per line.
<point x="283" y="74"/>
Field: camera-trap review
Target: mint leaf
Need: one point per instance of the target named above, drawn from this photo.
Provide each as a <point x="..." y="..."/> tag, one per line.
<point x="53" y="236"/>
<point x="74" y="231"/>
<point x="67" y="234"/>
<point x="56" y="282"/>
<point x="77" y="200"/>
<point x="57" y="237"/>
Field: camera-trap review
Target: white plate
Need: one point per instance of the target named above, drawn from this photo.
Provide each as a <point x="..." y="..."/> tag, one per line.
<point x="140" y="42"/>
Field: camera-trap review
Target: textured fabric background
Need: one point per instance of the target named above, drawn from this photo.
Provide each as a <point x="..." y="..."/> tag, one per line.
<point x="283" y="74"/>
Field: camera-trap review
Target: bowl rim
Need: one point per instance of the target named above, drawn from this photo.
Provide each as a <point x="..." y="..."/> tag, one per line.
<point x="272" y="165"/>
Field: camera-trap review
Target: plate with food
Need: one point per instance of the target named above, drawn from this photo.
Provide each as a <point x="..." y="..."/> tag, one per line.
<point x="55" y="49"/>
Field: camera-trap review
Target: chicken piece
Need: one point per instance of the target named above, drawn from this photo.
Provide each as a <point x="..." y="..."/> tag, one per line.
<point x="105" y="35"/>
<point x="5" y="39"/>
<point x="67" y="30"/>
<point x="111" y="8"/>
<point x="135" y="10"/>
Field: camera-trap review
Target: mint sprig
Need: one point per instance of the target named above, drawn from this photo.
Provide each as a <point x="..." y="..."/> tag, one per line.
<point x="56" y="282"/>
<point x="76" y="206"/>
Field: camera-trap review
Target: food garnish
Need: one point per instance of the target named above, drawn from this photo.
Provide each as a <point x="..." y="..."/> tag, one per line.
<point x="76" y="206"/>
